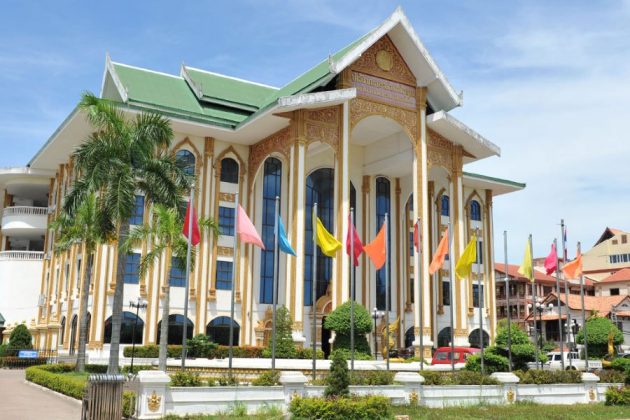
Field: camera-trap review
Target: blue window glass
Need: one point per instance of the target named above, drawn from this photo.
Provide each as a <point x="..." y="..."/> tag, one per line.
<point x="475" y="210"/>
<point x="320" y="189"/>
<point x="445" y="206"/>
<point x="229" y="171"/>
<point x="226" y="221"/>
<point x="132" y="268"/>
<point x="477" y="295"/>
<point x="186" y="161"/>
<point x="479" y="252"/>
<point x="224" y="275"/>
<point x="383" y="205"/>
<point x="137" y="217"/>
<point x="271" y="190"/>
<point x="177" y="277"/>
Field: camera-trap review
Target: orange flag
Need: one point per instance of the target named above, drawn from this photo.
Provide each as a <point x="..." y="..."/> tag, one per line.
<point x="376" y="249"/>
<point x="440" y="254"/>
<point x="573" y="270"/>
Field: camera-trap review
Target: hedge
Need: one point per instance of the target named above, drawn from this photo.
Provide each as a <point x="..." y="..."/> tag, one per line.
<point x="372" y="407"/>
<point x="546" y="377"/>
<point x="17" y="362"/>
<point x="462" y="377"/>
<point x="611" y="376"/>
<point x="221" y="352"/>
<point x="621" y="364"/>
<point x="152" y="351"/>
<point x="618" y="396"/>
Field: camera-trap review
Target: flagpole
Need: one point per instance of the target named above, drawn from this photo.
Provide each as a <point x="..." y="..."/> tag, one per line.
<point x="387" y="288"/>
<point x="190" y="225"/>
<point x="314" y="291"/>
<point x="421" y="297"/>
<point x="275" y="286"/>
<point x="450" y="292"/>
<point x="507" y="298"/>
<point x="555" y="245"/>
<point x="480" y="299"/>
<point x="534" y="301"/>
<point x="233" y="288"/>
<point x="352" y="286"/>
<point x="579" y="251"/>
<point x="566" y="288"/>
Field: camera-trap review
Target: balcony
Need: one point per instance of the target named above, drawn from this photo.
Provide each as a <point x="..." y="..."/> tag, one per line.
<point x="21" y="255"/>
<point x="24" y="221"/>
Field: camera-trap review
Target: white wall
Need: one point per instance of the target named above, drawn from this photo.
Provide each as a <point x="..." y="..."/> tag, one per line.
<point x="19" y="290"/>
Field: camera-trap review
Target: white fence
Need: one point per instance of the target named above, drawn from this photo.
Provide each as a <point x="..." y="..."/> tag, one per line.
<point x="21" y="255"/>
<point x="25" y="211"/>
<point x="157" y="399"/>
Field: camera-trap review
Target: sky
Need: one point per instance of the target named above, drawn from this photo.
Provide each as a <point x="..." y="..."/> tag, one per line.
<point x="546" y="81"/>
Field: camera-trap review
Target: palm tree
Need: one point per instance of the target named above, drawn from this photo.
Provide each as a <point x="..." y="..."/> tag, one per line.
<point x="122" y="157"/>
<point x="165" y="235"/>
<point x="88" y="227"/>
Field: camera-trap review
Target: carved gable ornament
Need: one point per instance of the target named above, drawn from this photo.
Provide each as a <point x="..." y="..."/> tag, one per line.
<point x="383" y="60"/>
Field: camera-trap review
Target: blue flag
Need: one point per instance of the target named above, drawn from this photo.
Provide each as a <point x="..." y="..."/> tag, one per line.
<point x="283" y="241"/>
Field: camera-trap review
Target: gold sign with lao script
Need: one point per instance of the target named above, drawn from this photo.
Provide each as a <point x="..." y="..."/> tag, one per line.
<point x="385" y="91"/>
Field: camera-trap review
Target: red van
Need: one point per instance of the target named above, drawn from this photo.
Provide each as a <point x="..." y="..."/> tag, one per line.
<point x="443" y="355"/>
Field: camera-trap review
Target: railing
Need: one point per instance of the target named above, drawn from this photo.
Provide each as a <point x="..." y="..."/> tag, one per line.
<point x="25" y="211"/>
<point x="14" y="359"/>
<point x="21" y="255"/>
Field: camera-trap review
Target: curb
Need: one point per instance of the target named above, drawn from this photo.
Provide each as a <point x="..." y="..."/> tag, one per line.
<point x="58" y="394"/>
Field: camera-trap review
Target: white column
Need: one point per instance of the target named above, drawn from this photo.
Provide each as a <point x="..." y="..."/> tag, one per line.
<point x="298" y="205"/>
<point x="342" y="224"/>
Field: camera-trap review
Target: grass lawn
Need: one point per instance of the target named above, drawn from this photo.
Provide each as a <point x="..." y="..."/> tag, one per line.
<point x="516" y="411"/>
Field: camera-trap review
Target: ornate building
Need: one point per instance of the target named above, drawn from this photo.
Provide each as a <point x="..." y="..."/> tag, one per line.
<point x="368" y="128"/>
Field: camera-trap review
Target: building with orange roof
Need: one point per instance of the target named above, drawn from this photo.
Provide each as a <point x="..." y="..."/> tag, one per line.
<point x="610" y="254"/>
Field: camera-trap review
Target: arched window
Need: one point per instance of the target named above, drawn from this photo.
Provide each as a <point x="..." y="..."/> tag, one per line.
<point x="229" y="171"/>
<point x="473" y="338"/>
<point x="444" y="337"/>
<point x="73" y="334"/>
<point x="271" y="189"/>
<point x="445" y="204"/>
<point x="475" y="210"/>
<point x="409" y="338"/>
<point x="218" y="330"/>
<point x="383" y="205"/>
<point x="176" y="329"/>
<point x="126" y="329"/>
<point x="186" y="161"/>
<point x="320" y="189"/>
<point x="63" y="330"/>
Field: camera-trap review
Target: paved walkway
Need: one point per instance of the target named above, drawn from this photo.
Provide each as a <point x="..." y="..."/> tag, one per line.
<point x="21" y="401"/>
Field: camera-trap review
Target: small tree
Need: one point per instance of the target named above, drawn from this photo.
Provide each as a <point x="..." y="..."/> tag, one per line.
<point x="285" y="347"/>
<point x="523" y="350"/>
<point x="339" y="322"/>
<point x="338" y="380"/>
<point x="20" y="338"/>
<point x="598" y="330"/>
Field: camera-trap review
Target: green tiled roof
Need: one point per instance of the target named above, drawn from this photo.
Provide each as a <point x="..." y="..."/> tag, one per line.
<point x="1" y="320"/>
<point x="171" y="95"/>
<point x="216" y="87"/>
<point x="497" y="180"/>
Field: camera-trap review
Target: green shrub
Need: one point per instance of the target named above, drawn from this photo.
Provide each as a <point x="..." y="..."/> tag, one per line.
<point x="345" y="408"/>
<point x="3" y="349"/>
<point x="152" y="351"/>
<point x="185" y="379"/>
<point x="16" y="362"/>
<point x="620" y="363"/>
<point x="372" y="377"/>
<point x="211" y="382"/>
<point x="338" y="380"/>
<point x="462" y="377"/>
<point x="53" y="379"/>
<point x="136" y="368"/>
<point x="285" y="347"/>
<point x="347" y="354"/>
<point x="92" y="368"/>
<point x="618" y="396"/>
<point x="20" y="338"/>
<point x="611" y="376"/>
<point x="129" y="404"/>
<point x="307" y="353"/>
<point x="200" y="346"/>
<point x="268" y="378"/>
<point x="523" y="350"/>
<point x="493" y="362"/>
<point x="339" y="321"/>
<point x="227" y="381"/>
<point x="598" y="330"/>
<point x="545" y="377"/>
<point x="549" y="346"/>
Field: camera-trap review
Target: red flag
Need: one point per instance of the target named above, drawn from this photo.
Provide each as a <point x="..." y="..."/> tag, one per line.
<point x="357" y="245"/>
<point x="440" y="254"/>
<point x="551" y="262"/>
<point x="416" y="236"/>
<point x="196" y="235"/>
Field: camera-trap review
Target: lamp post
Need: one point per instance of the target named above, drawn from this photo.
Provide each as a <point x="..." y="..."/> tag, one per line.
<point x="539" y="308"/>
<point x="375" y="315"/>
<point x="139" y="304"/>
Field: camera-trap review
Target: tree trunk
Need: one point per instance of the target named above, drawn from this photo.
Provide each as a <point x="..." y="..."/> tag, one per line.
<point x="117" y="305"/>
<point x="165" y="312"/>
<point x="83" y="308"/>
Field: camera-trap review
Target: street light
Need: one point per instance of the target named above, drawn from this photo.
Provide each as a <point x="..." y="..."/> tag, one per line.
<point x="375" y="315"/>
<point x="540" y="308"/>
<point x="139" y="304"/>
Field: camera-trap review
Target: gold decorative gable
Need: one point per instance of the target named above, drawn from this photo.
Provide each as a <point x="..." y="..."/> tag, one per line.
<point x="281" y="142"/>
<point x="383" y="60"/>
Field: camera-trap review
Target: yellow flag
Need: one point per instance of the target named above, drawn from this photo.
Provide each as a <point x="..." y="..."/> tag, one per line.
<point x="469" y="256"/>
<point x="527" y="268"/>
<point x="326" y="241"/>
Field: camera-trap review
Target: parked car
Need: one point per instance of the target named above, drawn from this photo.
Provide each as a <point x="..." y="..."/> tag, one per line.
<point x="572" y="361"/>
<point x="443" y="355"/>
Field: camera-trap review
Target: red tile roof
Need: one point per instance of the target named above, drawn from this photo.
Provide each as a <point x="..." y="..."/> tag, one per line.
<point x="621" y="275"/>
<point x="513" y="272"/>
<point x="601" y="304"/>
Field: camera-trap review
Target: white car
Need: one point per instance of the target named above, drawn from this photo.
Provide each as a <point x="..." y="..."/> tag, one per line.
<point x="572" y="361"/>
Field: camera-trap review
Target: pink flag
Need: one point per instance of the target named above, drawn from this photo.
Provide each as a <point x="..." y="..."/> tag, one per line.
<point x="246" y="230"/>
<point x="551" y="262"/>
<point x="357" y="246"/>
